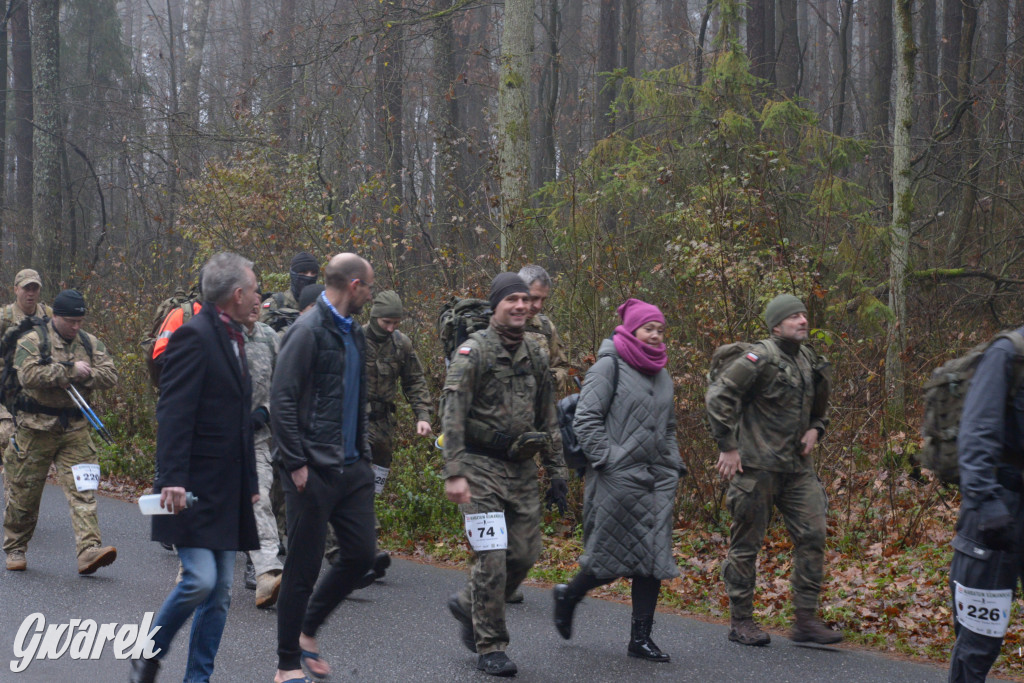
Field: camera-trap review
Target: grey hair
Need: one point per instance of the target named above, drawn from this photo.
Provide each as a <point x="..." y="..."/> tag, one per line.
<point x="223" y="274"/>
<point x="534" y="273"/>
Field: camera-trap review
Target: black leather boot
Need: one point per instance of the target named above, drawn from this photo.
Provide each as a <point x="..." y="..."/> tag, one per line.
<point x="250" y="573"/>
<point x="143" y="671"/>
<point x="640" y="643"/>
<point x="565" y="609"/>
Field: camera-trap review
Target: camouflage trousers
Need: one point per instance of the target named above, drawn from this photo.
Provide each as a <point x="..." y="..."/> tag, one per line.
<point x="265" y="559"/>
<point x="499" y="486"/>
<point x="25" y="470"/>
<point x="801" y="499"/>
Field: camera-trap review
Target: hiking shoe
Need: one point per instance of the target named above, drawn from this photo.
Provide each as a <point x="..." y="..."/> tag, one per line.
<point x="465" y="622"/>
<point x="747" y="632"/>
<point x="808" y="628"/>
<point x="268" y="584"/>
<point x="16" y="561"/>
<point x="95" y="557"/>
<point x="516" y="598"/>
<point x="496" y="664"/>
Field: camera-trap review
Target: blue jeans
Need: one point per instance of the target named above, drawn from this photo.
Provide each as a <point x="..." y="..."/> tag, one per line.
<point x="205" y="588"/>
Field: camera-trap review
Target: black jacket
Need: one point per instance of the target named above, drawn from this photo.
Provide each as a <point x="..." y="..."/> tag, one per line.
<point x="991" y="431"/>
<point x="308" y="390"/>
<point x="204" y="439"/>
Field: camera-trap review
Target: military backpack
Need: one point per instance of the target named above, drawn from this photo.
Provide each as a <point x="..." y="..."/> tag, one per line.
<point x="460" y="318"/>
<point x="181" y="299"/>
<point x="572" y="451"/>
<point x="10" y="387"/>
<point x="944" y="395"/>
<point x="282" y="315"/>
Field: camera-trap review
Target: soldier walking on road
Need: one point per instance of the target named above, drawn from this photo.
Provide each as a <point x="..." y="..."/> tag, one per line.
<point x="27" y="288"/>
<point x="768" y="408"/>
<point x="499" y="413"/>
<point x="261" y="344"/>
<point x="51" y="429"/>
<point x="540" y="328"/>
<point x="987" y="558"/>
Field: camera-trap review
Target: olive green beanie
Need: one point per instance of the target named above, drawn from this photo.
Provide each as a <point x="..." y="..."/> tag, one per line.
<point x="780" y="308"/>
<point x="387" y="304"/>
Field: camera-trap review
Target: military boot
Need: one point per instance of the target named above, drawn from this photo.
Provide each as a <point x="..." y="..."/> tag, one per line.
<point x="250" y="573"/>
<point x="16" y="561"/>
<point x="640" y="643"/>
<point x="497" y="664"/>
<point x="808" y="628"/>
<point x="466" y="633"/>
<point x="747" y="632"/>
<point x="95" y="557"/>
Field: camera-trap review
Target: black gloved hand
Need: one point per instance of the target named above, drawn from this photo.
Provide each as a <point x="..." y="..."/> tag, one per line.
<point x="999" y="532"/>
<point x="558" y="496"/>
<point x="260" y="417"/>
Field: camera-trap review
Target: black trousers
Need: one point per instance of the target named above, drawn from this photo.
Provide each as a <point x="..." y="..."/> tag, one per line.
<point x="345" y="501"/>
<point x="644" y="590"/>
<point x="979" y="567"/>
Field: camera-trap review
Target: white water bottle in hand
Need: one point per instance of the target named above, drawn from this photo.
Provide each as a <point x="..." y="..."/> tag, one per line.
<point x="150" y="504"/>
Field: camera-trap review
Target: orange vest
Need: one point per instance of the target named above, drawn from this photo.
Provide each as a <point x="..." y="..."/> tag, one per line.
<point x="171" y="323"/>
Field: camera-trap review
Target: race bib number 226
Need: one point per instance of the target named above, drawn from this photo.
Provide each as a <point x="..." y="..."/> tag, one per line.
<point x="984" y="611"/>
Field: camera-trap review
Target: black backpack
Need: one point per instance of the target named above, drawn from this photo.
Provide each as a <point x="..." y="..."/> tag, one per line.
<point x="10" y="387"/>
<point x="572" y="452"/>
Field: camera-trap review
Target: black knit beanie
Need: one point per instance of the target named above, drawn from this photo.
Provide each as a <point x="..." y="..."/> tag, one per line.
<point x="69" y="304"/>
<point x="504" y="284"/>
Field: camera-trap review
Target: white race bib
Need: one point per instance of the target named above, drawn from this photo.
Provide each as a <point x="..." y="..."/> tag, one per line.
<point x="380" y="477"/>
<point x="986" y="612"/>
<point x="486" y="531"/>
<point x="87" y="476"/>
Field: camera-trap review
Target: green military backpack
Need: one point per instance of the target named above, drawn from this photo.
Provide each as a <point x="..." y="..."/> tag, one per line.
<point x="182" y="300"/>
<point x="282" y="316"/>
<point x="460" y="318"/>
<point x="944" y="396"/>
<point x="10" y="386"/>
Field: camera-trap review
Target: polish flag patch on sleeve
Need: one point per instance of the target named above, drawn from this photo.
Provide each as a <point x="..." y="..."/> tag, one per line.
<point x="267" y="304"/>
<point x="751" y="357"/>
<point x="464" y="351"/>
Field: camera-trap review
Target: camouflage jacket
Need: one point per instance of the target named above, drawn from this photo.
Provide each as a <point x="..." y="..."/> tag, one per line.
<point x="499" y="391"/>
<point x="388" y="361"/>
<point x="45" y="383"/>
<point x="765" y="401"/>
<point x="11" y="315"/>
<point x="542" y="330"/>
<point x="279" y="310"/>
<point x="261" y="346"/>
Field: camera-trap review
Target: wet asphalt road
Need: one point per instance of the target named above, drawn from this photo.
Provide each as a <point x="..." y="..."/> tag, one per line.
<point x="396" y="630"/>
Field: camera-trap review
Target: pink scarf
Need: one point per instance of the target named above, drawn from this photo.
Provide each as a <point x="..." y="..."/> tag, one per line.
<point x="645" y="358"/>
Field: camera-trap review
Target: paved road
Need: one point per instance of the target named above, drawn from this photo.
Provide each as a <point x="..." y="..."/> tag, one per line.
<point x="396" y="630"/>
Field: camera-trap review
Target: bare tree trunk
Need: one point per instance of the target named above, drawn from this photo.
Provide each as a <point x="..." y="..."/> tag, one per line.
<point x="881" y="69"/>
<point x="245" y="45"/>
<point x="514" y="121"/>
<point x="630" y="27"/>
<point x="607" y="62"/>
<point x="21" y="80"/>
<point x="902" y="210"/>
<point x="47" y="208"/>
<point x="825" y="14"/>
<point x="572" y="128"/>
<point x="187" y="118"/>
<point x="3" y="130"/>
<point x="758" y="52"/>
<point x="544" y="167"/>
<point x="929" y="76"/>
<point x="676" y="34"/>
<point x="949" y="53"/>
<point x="845" y="30"/>
<point x="970" y="161"/>
<point x="787" y="71"/>
<point x="996" y="43"/>
<point x="1017" y="57"/>
<point x="283" y="99"/>
<point x="446" y="122"/>
<point x="389" y="117"/>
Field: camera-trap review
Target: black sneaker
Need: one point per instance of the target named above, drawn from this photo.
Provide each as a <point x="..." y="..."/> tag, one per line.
<point x="381" y="564"/>
<point x="496" y="664"/>
<point x="465" y="622"/>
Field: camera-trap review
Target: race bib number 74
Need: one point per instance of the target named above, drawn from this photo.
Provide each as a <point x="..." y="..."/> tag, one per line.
<point x="486" y="531"/>
<point x="986" y="612"/>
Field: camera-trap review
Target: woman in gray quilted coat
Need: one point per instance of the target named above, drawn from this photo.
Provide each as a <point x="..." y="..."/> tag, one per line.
<point x="625" y="422"/>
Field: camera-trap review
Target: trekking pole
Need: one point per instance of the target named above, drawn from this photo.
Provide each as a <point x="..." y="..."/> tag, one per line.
<point x="90" y="415"/>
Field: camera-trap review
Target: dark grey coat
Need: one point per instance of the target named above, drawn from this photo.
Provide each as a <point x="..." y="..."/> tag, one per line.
<point x="633" y="470"/>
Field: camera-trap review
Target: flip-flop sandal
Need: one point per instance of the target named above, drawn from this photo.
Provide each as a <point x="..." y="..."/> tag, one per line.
<point x="304" y="679"/>
<point x="307" y="655"/>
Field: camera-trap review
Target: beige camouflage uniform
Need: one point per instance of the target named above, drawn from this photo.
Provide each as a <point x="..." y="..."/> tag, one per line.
<point x="261" y="346"/>
<point x="390" y="362"/>
<point x="490" y="394"/>
<point x="762" y="404"/>
<point x="64" y="440"/>
<point x="542" y="330"/>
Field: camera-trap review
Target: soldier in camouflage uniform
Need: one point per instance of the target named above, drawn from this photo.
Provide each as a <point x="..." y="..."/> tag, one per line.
<point x="27" y="287"/>
<point x="767" y="409"/>
<point x="540" y="328"/>
<point x="51" y="429"/>
<point x="499" y="413"/>
<point x="282" y="308"/>
<point x="261" y="346"/>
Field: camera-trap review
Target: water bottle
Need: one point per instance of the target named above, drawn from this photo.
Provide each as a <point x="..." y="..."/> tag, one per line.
<point x="150" y="504"/>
